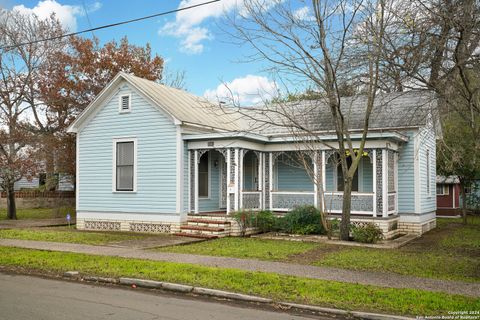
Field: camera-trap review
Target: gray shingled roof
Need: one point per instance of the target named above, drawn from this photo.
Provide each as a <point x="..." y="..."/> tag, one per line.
<point x="393" y="110"/>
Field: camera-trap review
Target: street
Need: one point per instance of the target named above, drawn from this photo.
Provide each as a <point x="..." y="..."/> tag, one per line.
<point x="24" y="298"/>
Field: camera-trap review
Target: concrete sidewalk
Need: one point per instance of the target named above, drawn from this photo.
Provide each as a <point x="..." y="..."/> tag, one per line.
<point x="324" y="273"/>
<point x="34" y="223"/>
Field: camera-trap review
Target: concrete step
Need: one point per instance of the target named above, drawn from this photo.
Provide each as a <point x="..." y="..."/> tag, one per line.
<point x="196" y="235"/>
<point x="207" y="221"/>
<point x="202" y="228"/>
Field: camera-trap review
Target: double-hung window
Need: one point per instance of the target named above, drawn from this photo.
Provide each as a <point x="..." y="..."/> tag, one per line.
<point x="125" y="157"/>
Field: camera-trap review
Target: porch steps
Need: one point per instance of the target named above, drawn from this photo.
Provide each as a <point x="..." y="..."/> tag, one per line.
<point x="205" y="227"/>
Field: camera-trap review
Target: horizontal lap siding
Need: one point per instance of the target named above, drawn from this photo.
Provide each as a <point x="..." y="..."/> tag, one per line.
<point x="366" y="180"/>
<point x="156" y="154"/>
<point x="290" y="178"/>
<point x="428" y="201"/>
<point x="406" y="174"/>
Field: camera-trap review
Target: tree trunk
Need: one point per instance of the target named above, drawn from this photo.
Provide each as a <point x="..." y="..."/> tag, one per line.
<point x="346" y="208"/>
<point x="464" y="202"/>
<point x="50" y="181"/>
<point x="11" y="207"/>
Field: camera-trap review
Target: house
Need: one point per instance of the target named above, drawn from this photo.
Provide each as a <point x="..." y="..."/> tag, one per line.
<point x="157" y="159"/>
<point x="448" y="195"/>
<point x="64" y="183"/>
<point x="449" y="200"/>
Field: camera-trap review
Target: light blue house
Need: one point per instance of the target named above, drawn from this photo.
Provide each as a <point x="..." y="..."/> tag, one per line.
<point x="156" y="159"/>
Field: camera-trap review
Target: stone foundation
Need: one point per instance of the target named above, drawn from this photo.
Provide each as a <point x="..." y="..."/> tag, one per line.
<point x="417" y="228"/>
<point x="389" y="226"/>
<point x="127" y="226"/>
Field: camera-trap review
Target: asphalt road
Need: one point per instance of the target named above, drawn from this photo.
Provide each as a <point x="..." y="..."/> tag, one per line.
<point x="23" y="297"/>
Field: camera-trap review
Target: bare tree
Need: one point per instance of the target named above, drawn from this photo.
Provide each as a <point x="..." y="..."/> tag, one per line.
<point x="326" y="46"/>
<point x="19" y="65"/>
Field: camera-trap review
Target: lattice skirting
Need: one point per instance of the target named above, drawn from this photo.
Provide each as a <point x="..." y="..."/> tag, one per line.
<point x="129" y="226"/>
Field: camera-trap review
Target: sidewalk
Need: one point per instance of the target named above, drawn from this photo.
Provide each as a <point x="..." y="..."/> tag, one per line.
<point x="34" y="223"/>
<point x="324" y="273"/>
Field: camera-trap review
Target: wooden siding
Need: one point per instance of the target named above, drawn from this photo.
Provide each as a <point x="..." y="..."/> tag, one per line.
<point x="406" y="174"/>
<point x="291" y="178"/>
<point x="156" y="154"/>
<point x="426" y="140"/>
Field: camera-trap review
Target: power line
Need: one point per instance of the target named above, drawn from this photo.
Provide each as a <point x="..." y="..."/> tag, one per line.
<point x="110" y="25"/>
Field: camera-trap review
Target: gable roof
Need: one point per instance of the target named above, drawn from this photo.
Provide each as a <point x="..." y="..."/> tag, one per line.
<point x="391" y="110"/>
<point x="181" y="106"/>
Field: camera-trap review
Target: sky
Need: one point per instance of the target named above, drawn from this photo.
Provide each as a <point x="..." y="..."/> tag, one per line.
<point x="192" y="41"/>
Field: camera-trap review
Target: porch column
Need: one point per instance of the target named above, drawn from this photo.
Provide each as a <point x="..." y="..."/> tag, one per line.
<point x="385" y="183"/>
<point x="324" y="180"/>
<point x="240" y="178"/>
<point x="195" y="175"/>
<point x="228" y="180"/>
<point x="379" y="181"/>
<point x="236" y="178"/>
<point x="270" y="180"/>
<point x="266" y="181"/>
<point x="260" y="177"/>
<point x="315" y="179"/>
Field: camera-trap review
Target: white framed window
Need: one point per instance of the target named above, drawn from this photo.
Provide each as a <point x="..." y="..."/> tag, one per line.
<point x="442" y="190"/>
<point x="204" y="176"/>
<point x="125" y="103"/>
<point x="124" y="167"/>
<point x="428" y="173"/>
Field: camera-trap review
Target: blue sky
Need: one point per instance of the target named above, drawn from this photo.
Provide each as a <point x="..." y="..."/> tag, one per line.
<point x="191" y="41"/>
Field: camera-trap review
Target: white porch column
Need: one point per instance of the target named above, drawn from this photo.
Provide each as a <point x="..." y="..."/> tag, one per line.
<point x="384" y="183"/>
<point x="228" y="180"/>
<point x="240" y="178"/>
<point x="270" y="179"/>
<point x="324" y="179"/>
<point x="236" y="180"/>
<point x="260" y="178"/>
<point x="196" y="181"/>
<point x="374" y="169"/>
<point x="396" y="181"/>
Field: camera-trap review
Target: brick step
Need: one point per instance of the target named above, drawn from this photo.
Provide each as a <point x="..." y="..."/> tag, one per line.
<point x="196" y="235"/>
<point x="202" y="228"/>
<point x="207" y="221"/>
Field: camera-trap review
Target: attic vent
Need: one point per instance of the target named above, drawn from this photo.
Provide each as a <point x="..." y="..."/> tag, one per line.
<point x="125" y="103"/>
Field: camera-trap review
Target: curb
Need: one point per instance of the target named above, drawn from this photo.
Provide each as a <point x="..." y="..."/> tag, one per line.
<point x="151" y="284"/>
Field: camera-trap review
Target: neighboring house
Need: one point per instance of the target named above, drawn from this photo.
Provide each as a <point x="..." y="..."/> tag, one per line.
<point x="158" y="159"/>
<point x="449" y="200"/>
<point x="448" y="195"/>
<point x="65" y="183"/>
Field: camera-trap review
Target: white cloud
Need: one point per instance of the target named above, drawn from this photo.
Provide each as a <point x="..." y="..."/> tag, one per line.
<point x="248" y="90"/>
<point x="67" y="14"/>
<point x="187" y="23"/>
<point x="303" y="14"/>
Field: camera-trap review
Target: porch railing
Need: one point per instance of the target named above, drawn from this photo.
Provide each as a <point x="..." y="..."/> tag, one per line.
<point x="362" y="203"/>
<point x="251" y="200"/>
<point x="287" y="200"/>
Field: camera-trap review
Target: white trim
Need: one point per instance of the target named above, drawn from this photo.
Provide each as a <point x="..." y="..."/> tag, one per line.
<point x="179" y="168"/>
<point x="374" y="169"/>
<point x="190" y="153"/>
<point x="270" y="182"/>
<point x="395" y="174"/>
<point x="384" y="183"/>
<point x="453" y="194"/>
<point x="417" y="217"/>
<point x="228" y="179"/>
<point x="77" y="174"/>
<point x="324" y="178"/>
<point x="129" y="216"/>
<point x="315" y="182"/>
<point x="114" y="163"/>
<point x="236" y="182"/>
<point x="195" y="189"/>
<point x="120" y="103"/>
<point x="240" y="178"/>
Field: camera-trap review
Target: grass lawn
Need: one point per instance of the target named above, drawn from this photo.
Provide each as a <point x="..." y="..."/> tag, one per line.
<point x="451" y="251"/>
<point x="247" y="248"/>
<point x="39" y="213"/>
<point x="71" y="235"/>
<point x="280" y="288"/>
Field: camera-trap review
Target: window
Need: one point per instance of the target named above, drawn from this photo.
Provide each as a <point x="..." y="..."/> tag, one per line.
<point x="442" y="189"/>
<point x="340" y="177"/>
<point x="203" y="176"/>
<point x="428" y="172"/>
<point x="125" y="166"/>
<point x="124" y="104"/>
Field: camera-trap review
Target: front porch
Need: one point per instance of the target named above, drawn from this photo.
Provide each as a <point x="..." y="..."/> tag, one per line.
<point x="228" y="179"/>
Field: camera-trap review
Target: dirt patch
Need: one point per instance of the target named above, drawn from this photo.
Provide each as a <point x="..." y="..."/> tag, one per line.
<point x="313" y="255"/>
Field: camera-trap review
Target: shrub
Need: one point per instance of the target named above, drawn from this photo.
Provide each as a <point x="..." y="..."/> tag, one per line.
<point x="368" y="233"/>
<point x="302" y="220"/>
<point x="265" y="221"/>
